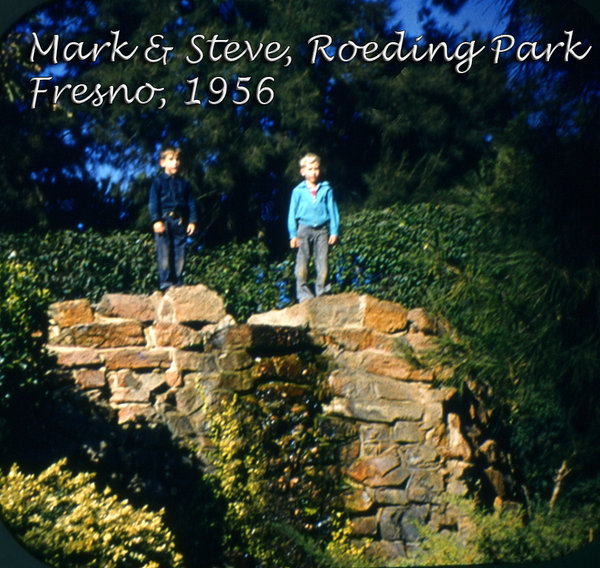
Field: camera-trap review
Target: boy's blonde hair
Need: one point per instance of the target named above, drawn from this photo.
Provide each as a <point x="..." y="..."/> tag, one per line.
<point x="309" y="159"/>
<point x="169" y="150"/>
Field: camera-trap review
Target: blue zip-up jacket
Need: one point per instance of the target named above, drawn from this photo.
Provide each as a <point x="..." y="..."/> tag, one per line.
<point x="168" y="193"/>
<point x="313" y="212"/>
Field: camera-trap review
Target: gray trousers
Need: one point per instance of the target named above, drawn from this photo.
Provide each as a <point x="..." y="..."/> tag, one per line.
<point x="317" y="241"/>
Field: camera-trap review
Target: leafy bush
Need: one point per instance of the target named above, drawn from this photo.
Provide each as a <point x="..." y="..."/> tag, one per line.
<point x="509" y="536"/>
<point x="64" y="520"/>
<point x="23" y="328"/>
<point x="525" y="305"/>
<point x="396" y="254"/>
<point x="406" y="254"/>
<point x="74" y="264"/>
<point x="276" y="463"/>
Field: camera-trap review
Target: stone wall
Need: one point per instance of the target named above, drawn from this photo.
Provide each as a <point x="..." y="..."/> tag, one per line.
<point x="165" y="358"/>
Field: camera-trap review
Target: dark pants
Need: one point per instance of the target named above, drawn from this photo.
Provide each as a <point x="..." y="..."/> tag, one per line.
<point x="170" y="253"/>
<point x="317" y="240"/>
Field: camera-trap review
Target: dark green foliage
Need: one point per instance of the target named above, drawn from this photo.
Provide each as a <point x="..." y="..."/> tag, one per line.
<point x="509" y="536"/>
<point x="23" y="329"/>
<point x="396" y="254"/>
<point x="277" y="465"/>
<point x="429" y="124"/>
<point x="45" y="151"/>
<point x="403" y="254"/>
<point x="73" y="264"/>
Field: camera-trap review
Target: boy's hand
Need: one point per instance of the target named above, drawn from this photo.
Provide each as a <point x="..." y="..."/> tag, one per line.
<point x="191" y="228"/>
<point x="333" y="239"/>
<point x="294" y="242"/>
<point x="159" y="227"/>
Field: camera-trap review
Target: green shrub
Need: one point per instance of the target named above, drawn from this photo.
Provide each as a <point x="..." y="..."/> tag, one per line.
<point x="508" y="536"/>
<point x="406" y="254"/>
<point x="65" y="521"/>
<point x="87" y="264"/>
<point x="23" y="330"/>
<point x="397" y="254"/>
<point x="276" y="464"/>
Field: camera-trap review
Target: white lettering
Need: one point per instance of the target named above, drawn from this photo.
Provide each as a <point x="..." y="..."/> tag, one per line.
<point x="320" y="49"/>
<point x="52" y="47"/>
<point x="231" y="51"/>
<point x="464" y="54"/>
<point x="499" y="40"/>
<point x="98" y="95"/>
<point x="570" y="48"/>
<point x="77" y="49"/>
<point x="37" y="90"/>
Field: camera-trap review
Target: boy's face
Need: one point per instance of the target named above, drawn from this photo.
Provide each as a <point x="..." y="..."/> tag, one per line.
<point x="311" y="172"/>
<point x="170" y="163"/>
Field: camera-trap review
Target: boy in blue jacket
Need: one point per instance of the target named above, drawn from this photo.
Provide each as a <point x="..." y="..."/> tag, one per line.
<point x="313" y="222"/>
<point x="173" y="213"/>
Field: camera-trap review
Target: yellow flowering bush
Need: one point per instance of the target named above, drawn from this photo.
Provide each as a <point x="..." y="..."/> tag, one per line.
<point x="62" y="518"/>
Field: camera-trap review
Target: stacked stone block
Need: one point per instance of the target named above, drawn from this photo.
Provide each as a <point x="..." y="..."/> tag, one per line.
<point x="398" y="471"/>
<point x="166" y="358"/>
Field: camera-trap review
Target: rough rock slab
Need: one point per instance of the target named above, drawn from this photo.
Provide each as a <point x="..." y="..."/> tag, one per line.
<point x="359" y="500"/>
<point x="383" y="316"/>
<point x="120" y="333"/>
<point x="424" y="485"/>
<point x="364" y="387"/>
<point x="359" y="339"/>
<point x="364" y="526"/>
<point x="191" y="304"/>
<point x="136" y="358"/>
<point x="75" y="356"/>
<point x="420" y="321"/>
<point x="194" y="361"/>
<point x="163" y="334"/>
<point x="129" y="306"/>
<point x="384" y="470"/>
<point x="71" y="312"/>
<point x="340" y="312"/>
<point x="132" y="412"/>
<point x="386" y="411"/>
<point x="297" y="315"/>
<point x="257" y="338"/>
<point x="90" y="378"/>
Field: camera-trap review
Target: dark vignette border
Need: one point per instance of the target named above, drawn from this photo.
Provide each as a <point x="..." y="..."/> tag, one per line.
<point x="12" y="555"/>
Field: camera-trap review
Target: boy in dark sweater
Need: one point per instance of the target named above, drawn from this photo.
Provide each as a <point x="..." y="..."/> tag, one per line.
<point x="174" y="217"/>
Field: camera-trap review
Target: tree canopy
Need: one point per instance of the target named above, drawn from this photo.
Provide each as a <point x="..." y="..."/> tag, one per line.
<point x="386" y="132"/>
